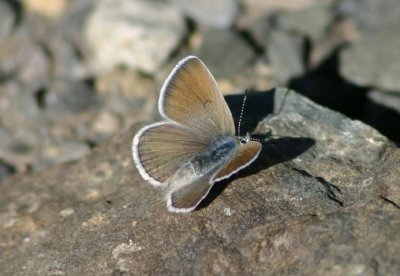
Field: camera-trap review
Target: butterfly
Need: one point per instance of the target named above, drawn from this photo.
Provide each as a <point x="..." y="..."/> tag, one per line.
<point x="195" y="146"/>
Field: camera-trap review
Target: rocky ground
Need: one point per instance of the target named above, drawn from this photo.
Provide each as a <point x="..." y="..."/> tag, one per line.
<point x="79" y="78"/>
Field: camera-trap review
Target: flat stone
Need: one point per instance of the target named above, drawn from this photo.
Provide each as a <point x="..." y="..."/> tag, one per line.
<point x="7" y="20"/>
<point x="218" y="14"/>
<point x="390" y="100"/>
<point x="137" y="34"/>
<point x="60" y="153"/>
<point x="23" y="58"/>
<point x="285" y="55"/>
<point x="311" y="22"/>
<point x="225" y="53"/>
<point x="374" y="60"/>
<point x="68" y="96"/>
<point x="369" y="15"/>
<point x="52" y="9"/>
<point x="255" y="9"/>
<point x="322" y="198"/>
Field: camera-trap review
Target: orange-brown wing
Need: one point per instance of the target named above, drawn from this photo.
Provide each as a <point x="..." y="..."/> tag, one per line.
<point x="190" y="96"/>
<point x="160" y="149"/>
<point x="185" y="198"/>
<point x="245" y="155"/>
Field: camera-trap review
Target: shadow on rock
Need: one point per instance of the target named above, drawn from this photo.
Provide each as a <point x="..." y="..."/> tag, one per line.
<point x="274" y="151"/>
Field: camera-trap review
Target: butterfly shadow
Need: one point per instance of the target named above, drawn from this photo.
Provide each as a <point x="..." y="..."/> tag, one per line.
<point x="274" y="150"/>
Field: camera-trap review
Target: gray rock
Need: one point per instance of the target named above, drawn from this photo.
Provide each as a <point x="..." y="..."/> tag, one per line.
<point x="5" y="169"/>
<point x="218" y="14"/>
<point x="24" y="59"/>
<point x="370" y="15"/>
<point x="375" y="60"/>
<point x="319" y="200"/>
<point x="390" y="100"/>
<point x="66" y="62"/>
<point x="225" y="53"/>
<point x="7" y="20"/>
<point x="124" y="92"/>
<point x="254" y="9"/>
<point x="312" y="22"/>
<point x="259" y="30"/>
<point x="67" y="96"/>
<point x="19" y="132"/>
<point x="60" y="153"/>
<point x="137" y="34"/>
<point x="285" y="55"/>
<point x="382" y="110"/>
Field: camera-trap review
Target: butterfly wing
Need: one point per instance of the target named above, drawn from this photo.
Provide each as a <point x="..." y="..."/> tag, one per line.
<point x="160" y="149"/>
<point x="184" y="198"/>
<point x="190" y="97"/>
<point x="245" y="155"/>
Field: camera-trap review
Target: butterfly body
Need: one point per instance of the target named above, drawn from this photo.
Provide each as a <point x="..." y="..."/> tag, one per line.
<point x="196" y="144"/>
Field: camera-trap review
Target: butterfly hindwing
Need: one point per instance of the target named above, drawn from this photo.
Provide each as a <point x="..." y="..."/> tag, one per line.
<point x="184" y="196"/>
<point x="246" y="154"/>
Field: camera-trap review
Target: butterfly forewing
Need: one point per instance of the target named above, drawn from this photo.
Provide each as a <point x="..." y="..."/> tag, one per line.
<point x="190" y="96"/>
<point x="160" y="149"/>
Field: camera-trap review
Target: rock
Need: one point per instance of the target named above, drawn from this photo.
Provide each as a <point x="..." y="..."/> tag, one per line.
<point x="362" y="63"/>
<point x="368" y="14"/>
<point x="60" y="153"/>
<point x="67" y="96"/>
<point x="66" y="61"/>
<point x="20" y="117"/>
<point x="285" y="54"/>
<point x="23" y="58"/>
<point x="105" y="124"/>
<point x="381" y="110"/>
<point x="126" y="97"/>
<point x="312" y="22"/>
<point x="225" y="53"/>
<point x="127" y="92"/>
<point x="255" y="9"/>
<point x="52" y="9"/>
<point x="259" y="30"/>
<point x="218" y="14"/>
<point x="322" y="198"/>
<point x="7" y="20"/>
<point x="5" y="170"/>
<point x="138" y="34"/>
<point x="390" y="100"/>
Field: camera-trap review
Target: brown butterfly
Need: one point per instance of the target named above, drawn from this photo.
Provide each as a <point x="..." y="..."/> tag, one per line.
<point x="195" y="145"/>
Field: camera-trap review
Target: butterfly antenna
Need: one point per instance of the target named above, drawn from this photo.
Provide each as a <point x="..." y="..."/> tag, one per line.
<point x="241" y="112"/>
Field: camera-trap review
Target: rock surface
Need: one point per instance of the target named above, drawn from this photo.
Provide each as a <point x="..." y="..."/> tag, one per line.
<point x="137" y="34"/>
<point x="285" y="54"/>
<point x="362" y="62"/>
<point x="77" y="72"/>
<point x="219" y="14"/>
<point x="322" y="198"/>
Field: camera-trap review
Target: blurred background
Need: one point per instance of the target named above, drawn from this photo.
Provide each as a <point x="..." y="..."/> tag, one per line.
<point x="75" y="72"/>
